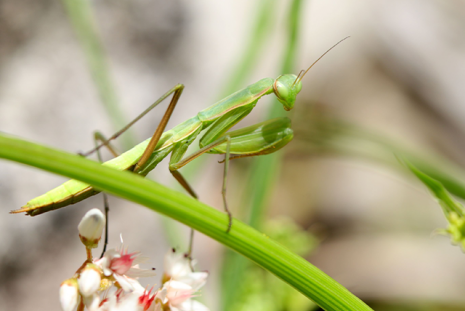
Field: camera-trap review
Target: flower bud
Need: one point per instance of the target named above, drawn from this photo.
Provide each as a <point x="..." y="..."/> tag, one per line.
<point x="91" y="227"/>
<point x="89" y="280"/>
<point x="69" y="296"/>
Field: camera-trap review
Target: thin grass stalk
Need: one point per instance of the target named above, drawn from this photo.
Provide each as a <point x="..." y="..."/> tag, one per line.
<point x="265" y="169"/>
<point x="260" y="33"/>
<point x="83" y="23"/>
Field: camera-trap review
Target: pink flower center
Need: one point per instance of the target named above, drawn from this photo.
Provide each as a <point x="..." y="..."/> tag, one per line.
<point x="123" y="264"/>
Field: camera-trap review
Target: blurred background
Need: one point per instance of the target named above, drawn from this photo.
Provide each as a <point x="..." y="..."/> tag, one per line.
<point x="395" y="86"/>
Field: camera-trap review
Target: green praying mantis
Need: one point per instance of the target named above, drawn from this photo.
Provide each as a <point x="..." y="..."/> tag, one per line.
<point x="216" y="121"/>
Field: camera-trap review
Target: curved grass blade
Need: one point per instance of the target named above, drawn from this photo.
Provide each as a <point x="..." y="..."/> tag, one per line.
<point x="286" y="265"/>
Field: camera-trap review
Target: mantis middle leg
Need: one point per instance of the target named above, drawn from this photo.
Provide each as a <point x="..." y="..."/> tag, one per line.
<point x="259" y="139"/>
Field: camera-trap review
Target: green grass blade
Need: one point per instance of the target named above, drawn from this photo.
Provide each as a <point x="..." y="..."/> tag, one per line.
<point x="266" y="14"/>
<point x="342" y="138"/>
<point x="264" y="171"/>
<point x="453" y="210"/>
<point x="291" y="268"/>
<point x="83" y="23"/>
<point x="446" y="201"/>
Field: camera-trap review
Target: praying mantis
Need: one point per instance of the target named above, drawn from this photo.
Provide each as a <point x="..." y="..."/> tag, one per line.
<point x="216" y="121"/>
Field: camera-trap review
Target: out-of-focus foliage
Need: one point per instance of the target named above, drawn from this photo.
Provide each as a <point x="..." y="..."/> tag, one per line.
<point x="453" y="210"/>
<point x="262" y="291"/>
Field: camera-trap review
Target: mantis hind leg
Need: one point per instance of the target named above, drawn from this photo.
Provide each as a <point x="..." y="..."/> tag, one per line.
<point x="176" y="91"/>
<point x="140" y="165"/>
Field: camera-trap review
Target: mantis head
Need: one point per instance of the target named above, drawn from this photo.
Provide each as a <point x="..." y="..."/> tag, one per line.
<point x="286" y="87"/>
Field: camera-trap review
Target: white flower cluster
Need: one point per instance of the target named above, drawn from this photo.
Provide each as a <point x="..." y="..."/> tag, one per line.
<point x="110" y="283"/>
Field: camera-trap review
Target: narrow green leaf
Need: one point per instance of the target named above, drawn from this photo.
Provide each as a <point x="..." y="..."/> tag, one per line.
<point x="259" y="33"/>
<point x="254" y="245"/>
<point x="452" y="209"/>
<point x="448" y="203"/>
<point x="323" y="135"/>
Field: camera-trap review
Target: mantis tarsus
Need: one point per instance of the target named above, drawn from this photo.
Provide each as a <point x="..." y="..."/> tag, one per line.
<point x="259" y="139"/>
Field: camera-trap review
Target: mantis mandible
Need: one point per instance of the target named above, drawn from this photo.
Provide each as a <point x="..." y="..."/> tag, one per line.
<point x="259" y="139"/>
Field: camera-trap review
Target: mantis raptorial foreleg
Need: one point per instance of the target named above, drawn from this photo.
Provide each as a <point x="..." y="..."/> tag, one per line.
<point x="213" y="139"/>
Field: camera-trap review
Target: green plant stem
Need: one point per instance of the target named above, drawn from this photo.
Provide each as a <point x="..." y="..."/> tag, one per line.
<point x="291" y="268"/>
<point x="83" y="23"/>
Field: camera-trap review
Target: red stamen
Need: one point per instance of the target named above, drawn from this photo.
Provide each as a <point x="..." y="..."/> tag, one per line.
<point x="146" y="299"/>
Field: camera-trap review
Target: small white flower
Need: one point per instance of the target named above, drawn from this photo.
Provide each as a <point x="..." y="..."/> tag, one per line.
<point x="69" y="296"/>
<point x="176" y="264"/>
<point x="180" y="284"/>
<point x="124" y="267"/>
<point x="138" y="300"/>
<point x="191" y="305"/>
<point x="129" y="303"/>
<point x="89" y="280"/>
<point x="177" y="295"/>
<point x="91" y="227"/>
<point x="178" y="268"/>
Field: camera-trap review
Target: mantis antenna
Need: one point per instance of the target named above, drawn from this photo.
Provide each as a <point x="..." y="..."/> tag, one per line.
<point x="301" y="76"/>
<point x="298" y="76"/>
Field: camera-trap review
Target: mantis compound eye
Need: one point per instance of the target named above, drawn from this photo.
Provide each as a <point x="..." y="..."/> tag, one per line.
<point x="298" y="86"/>
<point x="282" y="90"/>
